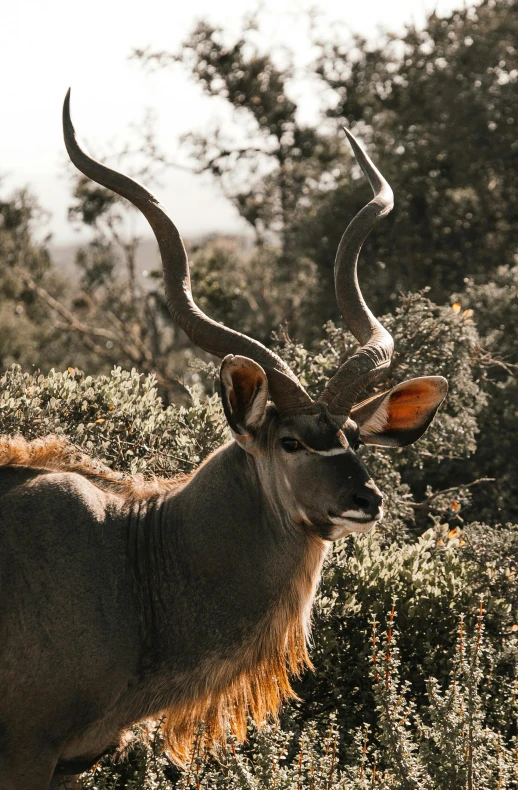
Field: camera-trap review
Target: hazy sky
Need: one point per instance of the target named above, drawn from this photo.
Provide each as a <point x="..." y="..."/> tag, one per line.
<point x="47" y="45"/>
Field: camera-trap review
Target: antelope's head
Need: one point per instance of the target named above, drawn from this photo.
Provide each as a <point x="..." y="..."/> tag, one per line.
<point x="304" y="449"/>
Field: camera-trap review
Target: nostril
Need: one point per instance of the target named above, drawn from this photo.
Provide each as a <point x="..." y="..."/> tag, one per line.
<point x="362" y="501"/>
<point x="368" y="499"/>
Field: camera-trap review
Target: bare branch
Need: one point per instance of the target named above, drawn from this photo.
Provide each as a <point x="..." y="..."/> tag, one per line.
<point x="451" y="490"/>
<point x="138" y="353"/>
<point x="72" y="320"/>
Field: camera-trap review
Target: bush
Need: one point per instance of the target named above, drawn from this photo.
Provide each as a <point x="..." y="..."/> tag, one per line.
<point x="117" y="419"/>
<point x="421" y="717"/>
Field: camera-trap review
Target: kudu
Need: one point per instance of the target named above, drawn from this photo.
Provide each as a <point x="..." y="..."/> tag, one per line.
<point x="191" y="597"/>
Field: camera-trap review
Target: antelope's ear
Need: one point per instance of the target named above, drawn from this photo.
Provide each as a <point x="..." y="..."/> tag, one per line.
<point x="244" y="390"/>
<point x="400" y="416"/>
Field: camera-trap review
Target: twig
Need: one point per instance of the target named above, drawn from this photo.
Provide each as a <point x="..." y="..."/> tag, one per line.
<point x="436" y="494"/>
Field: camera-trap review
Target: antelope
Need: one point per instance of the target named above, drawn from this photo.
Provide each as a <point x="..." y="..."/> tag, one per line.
<point x="188" y="598"/>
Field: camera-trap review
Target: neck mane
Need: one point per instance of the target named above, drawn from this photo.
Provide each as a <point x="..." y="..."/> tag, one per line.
<point x="251" y="677"/>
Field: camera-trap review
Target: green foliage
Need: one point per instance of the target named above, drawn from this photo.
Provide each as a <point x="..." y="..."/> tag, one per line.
<point x="448" y="745"/>
<point x="270" y="167"/>
<point x="439" y="739"/>
<point x="430" y="705"/>
<point x="417" y="98"/>
<point x="243" y="289"/>
<point x="495" y="306"/>
<point x="414" y="100"/>
<point x="436" y="579"/>
<point x="279" y="157"/>
<point x="118" y="419"/>
<point x="120" y="318"/>
<point x="92" y="202"/>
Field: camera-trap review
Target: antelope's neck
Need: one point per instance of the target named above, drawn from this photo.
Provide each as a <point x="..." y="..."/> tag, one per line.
<point x="214" y="562"/>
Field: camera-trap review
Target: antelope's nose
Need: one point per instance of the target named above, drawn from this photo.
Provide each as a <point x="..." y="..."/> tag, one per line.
<point x="369" y="498"/>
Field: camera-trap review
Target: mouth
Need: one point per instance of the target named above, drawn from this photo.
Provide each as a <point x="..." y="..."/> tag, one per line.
<point x="355" y="520"/>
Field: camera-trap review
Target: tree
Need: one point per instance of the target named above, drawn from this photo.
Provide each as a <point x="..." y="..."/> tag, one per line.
<point x="123" y="319"/>
<point x="439" y="107"/>
<point x="27" y="336"/>
<point x="271" y="166"/>
<point x="436" y="108"/>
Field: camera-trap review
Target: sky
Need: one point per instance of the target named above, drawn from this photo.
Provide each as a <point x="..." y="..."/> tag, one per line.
<point x="48" y="45"/>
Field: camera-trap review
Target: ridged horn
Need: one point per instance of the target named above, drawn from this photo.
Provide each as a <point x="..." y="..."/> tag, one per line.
<point x="377" y="345"/>
<point x="285" y="389"/>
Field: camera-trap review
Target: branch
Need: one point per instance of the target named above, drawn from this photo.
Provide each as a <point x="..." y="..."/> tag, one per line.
<point x="74" y="323"/>
<point x="487" y="361"/>
<point x="138" y="354"/>
<point x="436" y="494"/>
<point x="89" y="343"/>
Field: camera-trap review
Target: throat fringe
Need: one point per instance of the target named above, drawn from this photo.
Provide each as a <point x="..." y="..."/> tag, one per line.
<point x="258" y="691"/>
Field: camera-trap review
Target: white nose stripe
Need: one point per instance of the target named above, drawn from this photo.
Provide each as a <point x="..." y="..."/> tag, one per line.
<point x="333" y="451"/>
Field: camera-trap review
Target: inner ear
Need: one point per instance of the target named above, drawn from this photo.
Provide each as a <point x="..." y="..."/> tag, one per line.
<point x="244" y="391"/>
<point x="399" y="417"/>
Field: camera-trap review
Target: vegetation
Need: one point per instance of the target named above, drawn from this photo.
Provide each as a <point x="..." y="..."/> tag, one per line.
<point x="415" y="629"/>
<point x="27" y="336"/>
<point x="437" y="575"/>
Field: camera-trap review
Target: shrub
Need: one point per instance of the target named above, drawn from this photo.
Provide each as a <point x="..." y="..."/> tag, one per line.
<point x="349" y="729"/>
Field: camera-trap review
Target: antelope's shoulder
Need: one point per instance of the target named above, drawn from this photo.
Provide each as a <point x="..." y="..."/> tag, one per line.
<point x="59" y="519"/>
<point x="42" y="463"/>
<point x="44" y="494"/>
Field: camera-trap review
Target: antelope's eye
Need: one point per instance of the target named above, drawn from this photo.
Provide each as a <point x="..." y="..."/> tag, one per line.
<point x="290" y="444"/>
